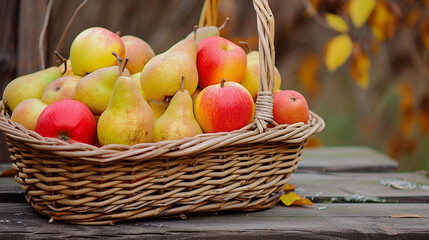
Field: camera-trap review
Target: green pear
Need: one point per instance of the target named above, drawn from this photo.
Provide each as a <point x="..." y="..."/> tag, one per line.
<point x="128" y="119"/>
<point x="161" y="76"/>
<point x="94" y="90"/>
<point x="178" y="121"/>
<point x="207" y="31"/>
<point x="251" y="78"/>
<point x="29" y="86"/>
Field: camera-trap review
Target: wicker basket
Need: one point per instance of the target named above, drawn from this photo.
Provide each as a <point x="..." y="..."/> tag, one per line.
<point x="242" y="170"/>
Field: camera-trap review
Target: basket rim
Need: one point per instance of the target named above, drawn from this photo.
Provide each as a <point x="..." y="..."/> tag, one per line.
<point x="250" y="134"/>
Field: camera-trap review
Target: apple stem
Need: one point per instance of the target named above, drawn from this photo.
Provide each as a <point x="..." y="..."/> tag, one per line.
<point x="293" y="99"/>
<point x="224" y="24"/>
<point x="246" y="44"/>
<point x="222" y="82"/>
<point x="182" y="88"/>
<point x="119" y="59"/>
<point x="63" y="60"/>
<point x="195" y="32"/>
<point x="118" y="33"/>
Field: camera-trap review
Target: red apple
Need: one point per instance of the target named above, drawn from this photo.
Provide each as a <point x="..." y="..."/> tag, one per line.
<point x="223" y="107"/>
<point x="290" y="107"/>
<point x="68" y="120"/>
<point x="218" y="58"/>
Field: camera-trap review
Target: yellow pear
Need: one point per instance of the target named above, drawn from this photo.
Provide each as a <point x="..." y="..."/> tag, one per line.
<point x="207" y="31"/>
<point x="158" y="108"/>
<point x="178" y="121"/>
<point x="95" y="89"/>
<point x="251" y="79"/>
<point x="128" y="119"/>
<point x="136" y="78"/>
<point x="161" y="76"/>
<point x="29" y="86"/>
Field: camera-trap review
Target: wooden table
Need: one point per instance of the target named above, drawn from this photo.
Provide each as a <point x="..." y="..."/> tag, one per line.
<point x="351" y="201"/>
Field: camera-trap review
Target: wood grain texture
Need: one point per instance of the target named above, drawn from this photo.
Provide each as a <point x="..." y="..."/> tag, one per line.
<point x="350" y="221"/>
<point x="346" y="159"/>
<point x="31" y="16"/>
<point x="360" y="187"/>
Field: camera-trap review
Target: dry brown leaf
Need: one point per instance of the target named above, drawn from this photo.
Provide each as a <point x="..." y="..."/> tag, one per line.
<point x="289" y="187"/>
<point x="360" y="65"/>
<point x="406" y="92"/>
<point x="374" y="46"/>
<point x="423" y="115"/>
<point x="291" y="199"/>
<point x="405" y="215"/>
<point x="308" y="71"/>
<point x="413" y="17"/>
<point x="424" y="31"/>
<point x="8" y="173"/>
<point x="313" y="142"/>
<point x="303" y="201"/>
<point x="383" y="21"/>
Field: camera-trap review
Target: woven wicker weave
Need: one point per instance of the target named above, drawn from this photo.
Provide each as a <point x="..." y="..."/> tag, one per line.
<point x="242" y="170"/>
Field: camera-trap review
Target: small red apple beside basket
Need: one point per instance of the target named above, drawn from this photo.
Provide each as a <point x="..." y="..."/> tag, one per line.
<point x="244" y="170"/>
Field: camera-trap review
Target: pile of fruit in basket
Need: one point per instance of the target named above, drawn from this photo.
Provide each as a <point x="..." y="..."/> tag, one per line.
<point x="115" y="90"/>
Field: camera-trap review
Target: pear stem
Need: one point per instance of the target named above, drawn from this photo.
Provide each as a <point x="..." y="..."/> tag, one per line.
<point x="63" y="60"/>
<point x="124" y="64"/>
<point x="222" y="82"/>
<point x="182" y="88"/>
<point x="119" y="59"/>
<point x="246" y="44"/>
<point x="195" y="32"/>
<point x="224" y="24"/>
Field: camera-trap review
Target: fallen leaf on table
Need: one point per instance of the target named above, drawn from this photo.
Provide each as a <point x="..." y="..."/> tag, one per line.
<point x="8" y="173"/>
<point x="293" y="199"/>
<point x="405" y="215"/>
<point x="289" y="187"/>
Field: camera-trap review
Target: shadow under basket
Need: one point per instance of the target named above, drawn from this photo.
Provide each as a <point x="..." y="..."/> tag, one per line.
<point x="242" y="170"/>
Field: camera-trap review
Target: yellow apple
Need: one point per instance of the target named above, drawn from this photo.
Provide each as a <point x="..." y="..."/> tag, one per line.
<point x="60" y="89"/>
<point x="92" y="49"/>
<point x="28" y="111"/>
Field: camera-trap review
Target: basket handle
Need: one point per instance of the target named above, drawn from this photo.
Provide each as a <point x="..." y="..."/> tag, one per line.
<point x="265" y="26"/>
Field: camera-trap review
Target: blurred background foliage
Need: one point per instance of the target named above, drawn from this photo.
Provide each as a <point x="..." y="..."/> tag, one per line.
<point x="362" y="64"/>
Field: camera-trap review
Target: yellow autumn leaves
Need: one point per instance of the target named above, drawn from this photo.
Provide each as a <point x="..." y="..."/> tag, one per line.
<point x="347" y="45"/>
<point x="341" y="47"/>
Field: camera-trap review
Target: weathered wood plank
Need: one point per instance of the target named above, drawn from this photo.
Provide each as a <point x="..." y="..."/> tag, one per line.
<point x="352" y="221"/>
<point x="346" y="159"/>
<point x="31" y="17"/>
<point x="331" y="187"/>
<point x="362" y="187"/>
